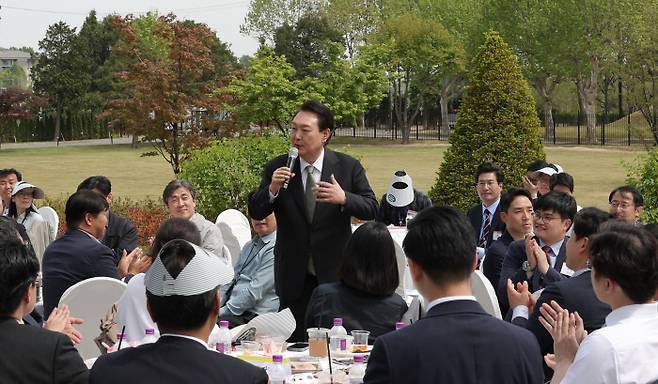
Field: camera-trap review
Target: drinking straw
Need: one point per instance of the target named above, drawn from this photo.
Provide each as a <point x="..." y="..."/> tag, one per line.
<point x="121" y="337"/>
<point x="331" y="372"/>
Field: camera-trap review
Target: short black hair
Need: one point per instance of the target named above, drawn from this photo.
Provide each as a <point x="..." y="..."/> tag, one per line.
<point x="11" y="171"/>
<point x="174" y="185"/>
<point x="441" y="241"/>
<point x="100" y="183"/>
<point x="489" y="168"/>
<point x="588" y="221"/>
<point x="83" y="202"/>
<point x="629" y="256"/>
<point x="537" y="165"/>
<point x="562" y="178"/>
<point x="508" y="197"/>
<point x="18" y="270"/>
<point x="324" y="114"/>
<point x="179" y="312"/>
<point x="175" y="228"/>
<point x="559" y="202"/>
<point x="638" y="199"/>
<point x="369" y="263"/>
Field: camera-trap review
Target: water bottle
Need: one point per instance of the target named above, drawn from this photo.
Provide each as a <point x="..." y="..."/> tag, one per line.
<point x="400" y="325"/>
<point x="277" y="372"/>
<point x="337" y="330"/>
<point x="357" y="370"/>
<point x="224" y="344"/>
<point x="122" y="342"/>
<point x="149" y="337"/>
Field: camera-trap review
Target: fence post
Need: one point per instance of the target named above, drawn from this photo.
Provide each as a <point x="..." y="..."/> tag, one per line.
<point x="578" y="123"/>
<point x="553" y="130"/>
<point x="629" y="127"/>
<point x="603" y="132"/>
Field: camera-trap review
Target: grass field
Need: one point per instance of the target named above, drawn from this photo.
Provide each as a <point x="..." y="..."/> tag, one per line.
<point x="59" y="170"/>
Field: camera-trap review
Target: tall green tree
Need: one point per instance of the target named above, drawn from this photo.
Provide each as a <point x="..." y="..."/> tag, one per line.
<point x="355" y="20"/>
<point x="266" y="16"/>
<point x="497" y="123"/>
<point x="17" y="104"/>
<point x="61" y="70"/>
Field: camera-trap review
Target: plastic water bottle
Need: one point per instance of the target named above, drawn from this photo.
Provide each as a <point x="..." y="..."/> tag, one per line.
<point x="400" y="325"/>
<point x="224" y="344"/>
<point x="122" y="342"/>
<point x="149" y="337"/>
<point x="337" y="330"/>
<point x="357" y="370"/>
<point x="277" y="372"/>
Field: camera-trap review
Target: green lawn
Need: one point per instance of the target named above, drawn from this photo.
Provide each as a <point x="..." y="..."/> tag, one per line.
<point x="59" y="170"/>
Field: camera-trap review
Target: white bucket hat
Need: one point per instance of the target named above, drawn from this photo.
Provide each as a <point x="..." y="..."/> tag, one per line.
<point x="401" y="191"/>
<point x="37" y="192"/>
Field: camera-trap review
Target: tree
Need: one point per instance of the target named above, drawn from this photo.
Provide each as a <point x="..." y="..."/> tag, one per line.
<point x="13" y="77"/>
<point x="266" y="16"/>
<point x="168" y="99"/>
<point x="61" y="70"/>
<point x="355" y="20"/>
<point x="16" y="104"/>
<point x="497" y="123"/>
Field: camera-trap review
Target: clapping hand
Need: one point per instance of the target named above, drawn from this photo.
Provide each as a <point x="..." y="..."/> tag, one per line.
<point x="60" y="320"/>
<point x="519" y="295"/>
<point x="567" y="331"/>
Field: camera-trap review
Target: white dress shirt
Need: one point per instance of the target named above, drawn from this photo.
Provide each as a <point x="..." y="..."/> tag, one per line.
<point x="317" y="171"/>
<point x="624" y="351"/>
<point x="441" y="300"/>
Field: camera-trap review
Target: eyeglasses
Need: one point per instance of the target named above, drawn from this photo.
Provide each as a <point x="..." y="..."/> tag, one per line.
<point x="482" y="184"/>
<point x="546" y="218"/>
<point x="175" y="199"/>
<point x="620" y="204"/>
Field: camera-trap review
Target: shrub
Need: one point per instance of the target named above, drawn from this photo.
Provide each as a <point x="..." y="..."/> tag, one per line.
<point x="643" y="175"/>
<point x="228" y="170"/>
<point x="497" y="123"/>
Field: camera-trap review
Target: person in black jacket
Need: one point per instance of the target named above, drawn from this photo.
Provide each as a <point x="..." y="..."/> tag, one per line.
<point x="120" y="234"/>
<point x="401" y="198"/>
<point x="365" y="295"/>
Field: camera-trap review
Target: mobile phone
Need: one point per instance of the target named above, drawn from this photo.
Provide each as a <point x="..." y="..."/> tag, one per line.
<point x="298" y="347"/>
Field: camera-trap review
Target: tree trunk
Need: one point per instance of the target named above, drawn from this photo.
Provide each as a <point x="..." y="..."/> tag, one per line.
<point x="544" y="86"/>
<point x="58" y="120"/>
<point x="587" y="92"/>
<point x="175" y="159"/>
<point x="445" y="128"/>
<point x="134" y="141"/>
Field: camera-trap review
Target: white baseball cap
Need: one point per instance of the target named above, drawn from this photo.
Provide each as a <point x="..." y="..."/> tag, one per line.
<point x="401" y="191"/>
<point x="551" y="169"/>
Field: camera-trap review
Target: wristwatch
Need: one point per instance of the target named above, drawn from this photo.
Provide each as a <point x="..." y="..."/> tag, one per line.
<point x="526" y="266"/>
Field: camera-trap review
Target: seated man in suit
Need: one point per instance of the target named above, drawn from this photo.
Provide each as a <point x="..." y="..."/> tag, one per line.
<point x="517" y="213"/>
<point x="485" y="217"/>
<point x="120" y="234"/>
<point x="182" y="293"/>
<point x="539" y="260"/>
<point x="79" y="253"/>
<point x="30" y="354"/>
<point x="251" y="293"/>
<point x="457" y="341"/>
<point x="575" y="294"/>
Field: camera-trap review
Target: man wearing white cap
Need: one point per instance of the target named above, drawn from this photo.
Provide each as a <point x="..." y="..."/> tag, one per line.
<point x="183" y="299"/>
<point x="543" y="177"/>
<point x="401" y="200"/>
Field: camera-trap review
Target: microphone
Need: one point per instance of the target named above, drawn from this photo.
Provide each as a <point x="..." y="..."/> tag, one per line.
<point x="292" y="156"/>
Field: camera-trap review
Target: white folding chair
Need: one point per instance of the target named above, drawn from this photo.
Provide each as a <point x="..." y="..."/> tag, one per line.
<point x="401" y="259"/>
<point x="236" y="231"/>
<point x="89" y="300"/>
<point x="52" y="218"/>
<point x="485" y="294"/>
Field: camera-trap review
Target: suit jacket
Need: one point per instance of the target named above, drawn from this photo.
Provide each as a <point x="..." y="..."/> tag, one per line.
<point x="512" y="269"/>
<point x="70" y="259"/>
<point x="575" y="294"/>
<point x="475" y="217"/>
<point x="456" y="342"/>
<point x="493" y="263"/>
<point x="31" y="354"/>
<point x="359" y="310"/>
<point x="173" y="360"/>
<point x="322" y="239"/>
<point x="120" y="234"/>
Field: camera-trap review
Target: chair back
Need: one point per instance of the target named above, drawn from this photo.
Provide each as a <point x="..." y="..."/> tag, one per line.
<point x="236" y="231"/>
<point x="51" y="216"/>
<point x="401" y="259"/>
<point x="90" y="300"/>
<point x="485" y="294"/>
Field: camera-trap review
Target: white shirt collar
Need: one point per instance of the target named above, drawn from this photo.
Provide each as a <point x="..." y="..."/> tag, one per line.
<point x="633" y="311"/>
<point x="492" y="207"/>
<point x="446" y="299"/>
<point x="204" y="343"/>
<point x="317" y="164"/>
<point x="88" y="234"/>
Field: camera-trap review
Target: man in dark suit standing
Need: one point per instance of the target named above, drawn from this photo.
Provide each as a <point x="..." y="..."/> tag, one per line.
<point x="313" y="213"/>
<point x="485" y="217"/>
<point x="575" y="294"/>
<point x="539" y="260"/>
<point x="120" y="234"/>
<point x="183" y="299"/>
<point x="457" y="341"/>
<point x="30" y="354"/>
<point x="79" y="254"/>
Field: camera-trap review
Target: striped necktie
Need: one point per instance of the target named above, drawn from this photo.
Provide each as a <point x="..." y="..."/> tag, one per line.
<point x="486" y="227"/>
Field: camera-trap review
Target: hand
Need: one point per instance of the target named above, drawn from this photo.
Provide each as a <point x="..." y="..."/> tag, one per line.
<point x="549" y="315"/>
<point x="132" y="263"/>
<point x="542" y="260"/>
<point x="581" y="333"/>
<point x="330" y="192"/>
<point x="518" y="296"/>
<point x="61" y="321"/>
<point x="530" y="244"/>
<point x="530" y="187"/>
<point x="140" y="264"/>
<point x="565" y="344"/>
<point x="279" y="176"/>
<point x="549" y="358"/>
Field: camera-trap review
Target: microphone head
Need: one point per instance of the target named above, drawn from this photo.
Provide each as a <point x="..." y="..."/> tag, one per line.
<point x="293" y="152"/>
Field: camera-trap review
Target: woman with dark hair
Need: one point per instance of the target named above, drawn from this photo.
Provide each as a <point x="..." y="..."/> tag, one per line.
<point x="22" y="210"/>
<point x="365" y="295"/>
<point x="131" y="307"/>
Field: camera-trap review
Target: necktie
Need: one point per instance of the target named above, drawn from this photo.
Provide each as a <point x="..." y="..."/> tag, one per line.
<point x="547" y="250"/>
<point x="486" y="226"/>
<point x="309" y="197"/>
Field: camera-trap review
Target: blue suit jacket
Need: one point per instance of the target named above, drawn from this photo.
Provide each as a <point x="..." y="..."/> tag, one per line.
<point x="456" y="342"/>
<point x="70" y="259"/>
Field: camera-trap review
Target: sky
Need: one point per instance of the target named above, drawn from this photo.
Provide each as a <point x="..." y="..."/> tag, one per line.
<point x="24" y="23"/>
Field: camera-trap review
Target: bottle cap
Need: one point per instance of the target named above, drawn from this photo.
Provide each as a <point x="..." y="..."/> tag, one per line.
<point x="223" y="323"/>
<point x="338" y="321"/>
<point x="400" y="325"/>
<point x="150" y="331"/>
<point x="359" y="358"/>
<point x="123" y="335"/>
<point x="277" y="358"/>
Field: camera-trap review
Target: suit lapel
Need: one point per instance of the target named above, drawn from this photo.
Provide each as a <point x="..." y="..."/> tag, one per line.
<point x="328" y="168"/>
<point x="561" y="256"/>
